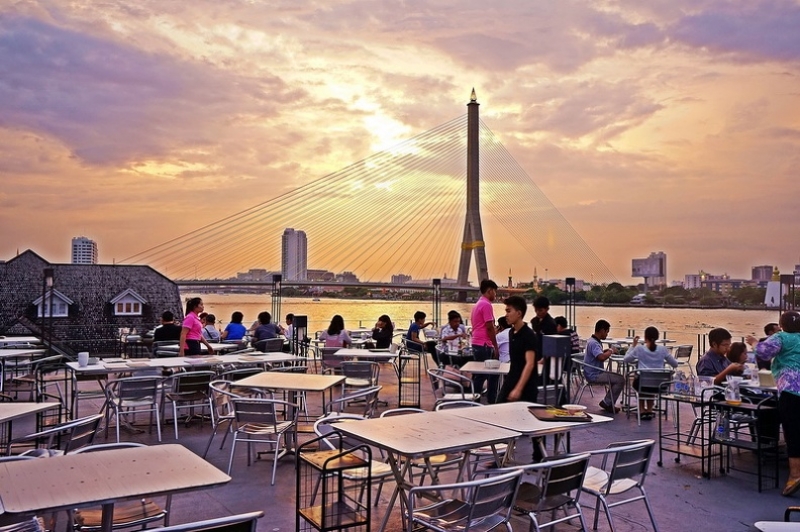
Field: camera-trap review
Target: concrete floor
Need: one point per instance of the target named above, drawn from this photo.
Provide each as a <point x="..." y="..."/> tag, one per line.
<point x="681" y="499"/>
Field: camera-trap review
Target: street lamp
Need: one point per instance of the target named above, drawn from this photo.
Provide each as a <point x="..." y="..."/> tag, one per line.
<point x="47" y="306"/>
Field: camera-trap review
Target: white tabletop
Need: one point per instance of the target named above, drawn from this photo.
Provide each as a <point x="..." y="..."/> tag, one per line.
<point x="516" y="416"/>
<point x="381" y="355"/>
<point x="473" y="366"/>
<point x="11" y="353"/>
<point x="10" y="340"/>
<point x="279" y="380"/>
<point x="12" y="411"/>
<point x="215" y="346"/>
<point x="80" y="480"/>
<point x="777" y="526"/>
<point x="117" y="365"/>
<point x="416" y="435"/>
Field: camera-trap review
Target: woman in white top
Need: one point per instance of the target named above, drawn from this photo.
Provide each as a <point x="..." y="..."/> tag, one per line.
<point x="336" y="335"/>
<point x="503" y="345"/>
<point x="648" y="356"/>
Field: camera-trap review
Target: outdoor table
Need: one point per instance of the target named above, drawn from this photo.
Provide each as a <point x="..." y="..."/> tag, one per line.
<point x="293" y="383"/>
<point x="12" y="340"/>
<point x="421" y="436"/>
<point x="479" y="368"/>
<point x="11" y="411"/>
<point x="377" y="355"/>
<point x="71" y="481"/>
<point x="221" y="347"/>
<point x="516" y="416"/>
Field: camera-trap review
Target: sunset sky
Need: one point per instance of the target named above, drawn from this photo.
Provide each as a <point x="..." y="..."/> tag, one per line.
<point x="658" y="125"/>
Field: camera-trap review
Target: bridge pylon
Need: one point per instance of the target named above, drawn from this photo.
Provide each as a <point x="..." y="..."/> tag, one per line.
<point x="473" y="231"/>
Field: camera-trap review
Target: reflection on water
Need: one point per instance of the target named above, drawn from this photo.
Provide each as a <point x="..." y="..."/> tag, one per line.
<point x="682" y="325"/>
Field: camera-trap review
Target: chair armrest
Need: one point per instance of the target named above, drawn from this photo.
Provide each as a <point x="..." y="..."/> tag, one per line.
<point x="789" y="511"/>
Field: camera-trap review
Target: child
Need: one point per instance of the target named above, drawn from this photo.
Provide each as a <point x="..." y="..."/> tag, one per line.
<point x="713" y="363"/>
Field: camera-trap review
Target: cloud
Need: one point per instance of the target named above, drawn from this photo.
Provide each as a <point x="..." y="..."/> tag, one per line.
<point x="749" y="31"/>
<point x="110" y="102"/>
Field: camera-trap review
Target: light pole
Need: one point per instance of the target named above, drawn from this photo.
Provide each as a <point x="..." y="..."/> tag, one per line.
<point x="47" y="306"/>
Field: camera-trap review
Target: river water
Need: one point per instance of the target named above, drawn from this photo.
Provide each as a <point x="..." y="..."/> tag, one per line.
<point x="682" y="325"/>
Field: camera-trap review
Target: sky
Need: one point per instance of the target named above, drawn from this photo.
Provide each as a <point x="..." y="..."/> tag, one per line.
<point x="652" y="126"/>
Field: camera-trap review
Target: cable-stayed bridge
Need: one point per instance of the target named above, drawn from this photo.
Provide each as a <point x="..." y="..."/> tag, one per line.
<point x="401" y="210"/>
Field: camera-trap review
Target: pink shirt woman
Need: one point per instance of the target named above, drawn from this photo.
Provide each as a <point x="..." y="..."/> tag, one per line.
<point x="192" y="329"/>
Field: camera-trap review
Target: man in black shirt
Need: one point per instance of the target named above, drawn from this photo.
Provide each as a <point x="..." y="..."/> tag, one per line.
<point x="169" y="330"/>
<point x="520" y="383"/>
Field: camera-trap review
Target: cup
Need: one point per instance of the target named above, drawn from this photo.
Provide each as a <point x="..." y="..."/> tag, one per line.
<point x="83" y="359"/>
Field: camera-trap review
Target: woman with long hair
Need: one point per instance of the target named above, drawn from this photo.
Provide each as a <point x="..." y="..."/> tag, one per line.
<point x="383" y="332"/>
<point x="783" y="349"/>
<point x="649" y="356"/>
<point x="192" y="329"/>
<point x="336" y="335"/>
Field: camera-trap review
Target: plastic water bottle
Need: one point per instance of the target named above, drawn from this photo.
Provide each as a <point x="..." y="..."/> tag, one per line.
<point x="723" y="429"/>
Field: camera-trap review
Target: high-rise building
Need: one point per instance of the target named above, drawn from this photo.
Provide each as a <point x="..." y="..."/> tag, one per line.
<point x="84" y="250"/>
<point x="294" y="255"/>
<point x="653" y="269"/>
<point x="762" y="273"/>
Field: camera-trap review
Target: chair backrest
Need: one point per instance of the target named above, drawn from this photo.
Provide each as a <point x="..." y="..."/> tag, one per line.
<point x="81" y="432"/>
<point x="492" y="496"/>
<point x="135" y="388"/>
<point x="108" y="447"/>
<point x="32" y="524"/>
<point x="236" y="374"/>
<point x="683" y="352"/>
<point x="269" y="345"/>
<point x="329" y="361"/>
<point x="369" y="396"/>
<point x="191" y="382"/>
<point x="629" y="460"/>
<point x="557" y="477"/>
<point x="654" y="378"/>
<point x="221" y="396"/>
<point x="234" y="523"/>
<point x="442" y="379"/>
<point x="402" y="411"/>
<point x="369" y="371"/>
<point x="325" y="428"/>
<point x="456" y="404"/>
<point x="261" y="411"/>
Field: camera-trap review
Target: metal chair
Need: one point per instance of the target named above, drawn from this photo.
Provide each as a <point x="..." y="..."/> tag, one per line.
<point x="650" y="381"/>
<point x="442" y="379"/>
<point x="360" y="374"/>
<point x="233" y="523"/>
<point x="62" y="438"/>
<point x="269" y="345"/>
<point x="682" y="354"/>
<point x="550" y="485"/>
<point x="485" y="505"/>
<point x="133" y="395"/>
<point x="34" y="524"/>
<point x="378" y="470"/>
<point x="221" y="409"/>
<point x="190" y="390"/>
<point x="126" y="514"/>
<point x="624" y="468"/>
<point x="330" y="364"/>
<point x="259" y="421"/>
<point x="367" y="399"/>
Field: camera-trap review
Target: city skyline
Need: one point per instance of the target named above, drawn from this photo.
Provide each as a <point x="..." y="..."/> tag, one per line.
<point x="670" y="126"/>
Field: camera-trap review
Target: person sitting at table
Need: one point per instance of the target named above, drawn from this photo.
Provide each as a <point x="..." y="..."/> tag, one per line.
<point x="562" y="328"/>
<point x="737" y="354"/>
<point x="191" y="330"/>
<point x="453" y="332"/>
<point x="503" y="348"/>
<point x="168" y="330"/>
<point x="266" y="330"/>
<point x="769" y="329"/>
<point x="593" y="370"/>
<point x="713" y="363"/>
<point x="414" y="343"/>
<point x="234" y="331"/>
<point x="648" y="356"/>
<point x="383" y="332"/>
<point x="210" y="332"/>
<point x="336" y="335"/>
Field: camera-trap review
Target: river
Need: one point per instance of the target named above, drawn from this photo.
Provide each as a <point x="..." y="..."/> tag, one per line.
<point x="682" y="325"/>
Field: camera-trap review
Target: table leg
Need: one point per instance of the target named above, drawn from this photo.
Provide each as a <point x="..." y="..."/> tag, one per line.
<point x="107" y="520"/>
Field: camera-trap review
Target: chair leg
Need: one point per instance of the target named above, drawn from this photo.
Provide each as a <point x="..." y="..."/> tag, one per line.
<point x="649" y="510"/>
<point x="158" y="422"/>
<point x="210" y="439"/>
<point x="175" y="417"/>
<point x="230" y="460"/>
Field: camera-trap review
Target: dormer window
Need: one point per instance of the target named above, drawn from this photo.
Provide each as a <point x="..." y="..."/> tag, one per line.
<point x="55" y="305"/>
<point x="128" y="303"/>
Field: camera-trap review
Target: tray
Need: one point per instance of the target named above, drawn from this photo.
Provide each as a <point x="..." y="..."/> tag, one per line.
<point x="550" y="413"/>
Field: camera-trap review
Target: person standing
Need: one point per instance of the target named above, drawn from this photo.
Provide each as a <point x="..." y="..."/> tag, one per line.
<point x="192" y="329"/>
<point x="783" y="349"/>
<point x="520" y="383"/>
<point x="484" y="340"/>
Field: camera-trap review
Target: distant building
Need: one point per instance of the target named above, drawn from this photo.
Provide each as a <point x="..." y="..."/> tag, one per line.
<point x="726" y="285"/>
<point x="256" y="274"/>
<point x="346" y="277"/>
<point x="294" y="255"/>
<point x="401" y="278"/>
<point x="84" y="250"/>
<point x="320" y="276"/>
<point x="87" y="305"/>
<point x="653" y="269"/>
<point x="762" y="273"/>
<point x="693" y="281"/>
